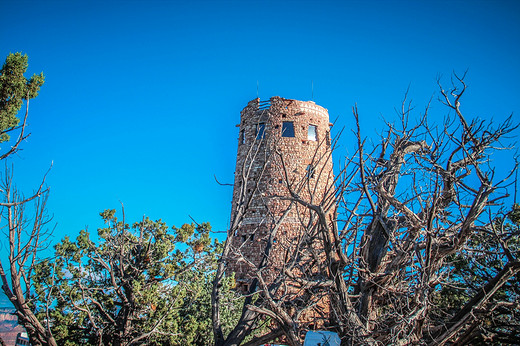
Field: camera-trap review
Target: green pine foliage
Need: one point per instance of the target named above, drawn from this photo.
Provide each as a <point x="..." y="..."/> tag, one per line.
<point x="499" y="320"/>
<point x="14" y="89"/>
<point x="139" y="284"/>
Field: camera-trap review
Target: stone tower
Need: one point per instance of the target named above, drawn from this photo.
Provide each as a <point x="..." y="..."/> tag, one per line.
<point x="284" y="150"/>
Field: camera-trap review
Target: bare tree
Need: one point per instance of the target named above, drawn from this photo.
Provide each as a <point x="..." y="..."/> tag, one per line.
<point x="26" y="235"/>
<point x="25" y="226"/>
<point x="422" y="192"/>
<point x="377" y="247"/>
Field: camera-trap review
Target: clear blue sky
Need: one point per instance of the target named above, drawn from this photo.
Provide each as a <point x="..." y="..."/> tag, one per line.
<point x="142" y="97"/>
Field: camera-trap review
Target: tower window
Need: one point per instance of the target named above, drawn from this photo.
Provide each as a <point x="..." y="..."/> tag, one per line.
<point x="260" y="130"/>
<point x="242" y="138"/>
<point x="288" y="129"/>
<point x="312" y="133"/>
<point x="310" y="171"/>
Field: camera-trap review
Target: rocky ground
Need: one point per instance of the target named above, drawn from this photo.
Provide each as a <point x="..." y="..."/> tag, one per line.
<point x="9" y="327"/>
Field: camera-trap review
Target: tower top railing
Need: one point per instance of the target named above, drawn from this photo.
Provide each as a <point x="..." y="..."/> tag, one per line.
<point x="262" y="105"/>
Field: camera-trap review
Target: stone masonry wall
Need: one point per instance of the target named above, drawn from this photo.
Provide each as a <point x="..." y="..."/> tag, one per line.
<point x="266" y="167"/>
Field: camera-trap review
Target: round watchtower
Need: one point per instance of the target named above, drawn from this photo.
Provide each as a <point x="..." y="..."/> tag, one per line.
<point x="284" y="154"/>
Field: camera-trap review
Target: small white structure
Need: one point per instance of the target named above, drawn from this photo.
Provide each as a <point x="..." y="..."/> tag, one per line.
<point x="22" y="339"/>
<point x="321" y="338"/>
